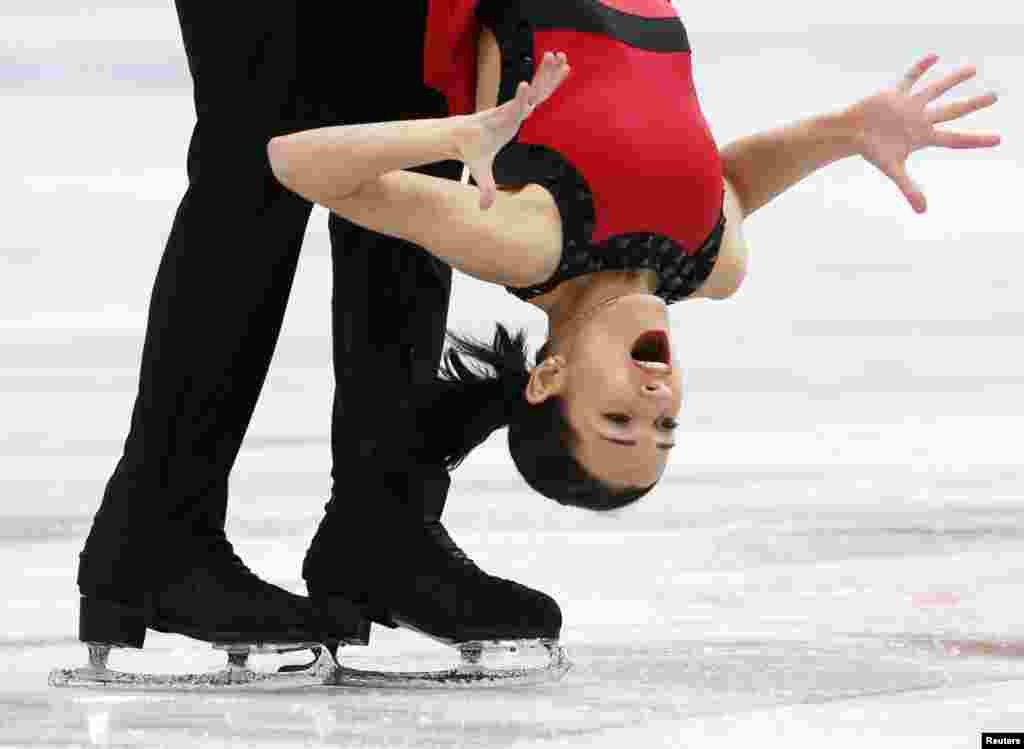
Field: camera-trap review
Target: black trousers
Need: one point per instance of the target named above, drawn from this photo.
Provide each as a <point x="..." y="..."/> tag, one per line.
<point x="220" y="292"/>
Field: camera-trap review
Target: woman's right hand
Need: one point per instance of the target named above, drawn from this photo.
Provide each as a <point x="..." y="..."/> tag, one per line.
<point x="489" y="131"/>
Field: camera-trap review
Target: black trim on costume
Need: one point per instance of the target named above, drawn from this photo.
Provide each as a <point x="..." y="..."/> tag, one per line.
<point x="653" y="34"/>
<point x="679" y="274"/>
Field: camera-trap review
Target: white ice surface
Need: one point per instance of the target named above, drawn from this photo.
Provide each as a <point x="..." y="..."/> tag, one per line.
<point x="843" y="512"/>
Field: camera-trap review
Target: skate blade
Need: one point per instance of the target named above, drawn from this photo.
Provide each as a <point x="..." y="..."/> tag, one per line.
<point x="313" y="674"/>
<point x="466" y="675"/>
<point x="324" y="671"/>
<point x="272" y="648"/>
<point x="472" y="650"/>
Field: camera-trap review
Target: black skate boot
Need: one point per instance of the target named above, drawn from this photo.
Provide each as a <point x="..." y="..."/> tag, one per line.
<point x="220" y="601"/>
<point x="412" y="575"/>
<point x="381" y="546"/>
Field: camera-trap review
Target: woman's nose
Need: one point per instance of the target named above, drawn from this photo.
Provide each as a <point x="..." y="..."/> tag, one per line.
<point x="658" y="390"/>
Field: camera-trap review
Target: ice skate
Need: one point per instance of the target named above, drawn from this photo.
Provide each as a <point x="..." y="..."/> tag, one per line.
<point x="482" y="664"/>
<point x="237" y="673"/>
<point x="503" y="632"/>
<point x="221" y="602"/>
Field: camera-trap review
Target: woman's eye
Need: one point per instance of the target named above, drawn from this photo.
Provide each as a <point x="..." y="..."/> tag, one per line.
<point x="617" y="418"/>
<point x="669" y="424"/>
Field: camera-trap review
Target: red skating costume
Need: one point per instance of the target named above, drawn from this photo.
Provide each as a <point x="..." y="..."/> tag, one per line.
<point x="622" y="145"/>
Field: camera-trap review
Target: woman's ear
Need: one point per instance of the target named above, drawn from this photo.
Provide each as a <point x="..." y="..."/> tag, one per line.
<point x="546" y="379"/>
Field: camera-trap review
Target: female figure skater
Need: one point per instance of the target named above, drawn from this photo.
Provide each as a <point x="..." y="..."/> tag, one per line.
<point x="601" y="208"/>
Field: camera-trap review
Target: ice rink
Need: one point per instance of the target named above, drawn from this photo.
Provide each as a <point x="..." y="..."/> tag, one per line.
<point x="834" y="558"/>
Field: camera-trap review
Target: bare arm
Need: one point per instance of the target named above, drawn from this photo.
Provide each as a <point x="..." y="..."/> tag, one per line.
<point x="513" y="243"/>
<point x="331" y="163"/>
<point x="359" y="172"/>
<point x="765" y="165"/>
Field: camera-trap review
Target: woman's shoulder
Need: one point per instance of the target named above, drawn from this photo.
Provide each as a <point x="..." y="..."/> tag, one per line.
<point x="537" y="202"/>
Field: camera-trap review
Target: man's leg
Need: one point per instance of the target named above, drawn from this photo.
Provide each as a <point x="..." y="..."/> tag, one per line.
<point x="381" y="545"/>
<point x="389" y="309"/>
<point x="215" y="314"/>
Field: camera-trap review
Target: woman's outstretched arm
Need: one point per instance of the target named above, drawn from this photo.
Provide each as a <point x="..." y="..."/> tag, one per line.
<point x="763" y="166"/>
<point x="884" y="128"/>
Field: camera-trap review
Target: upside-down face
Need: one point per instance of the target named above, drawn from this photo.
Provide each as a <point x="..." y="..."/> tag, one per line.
<point x="622" y="390"/>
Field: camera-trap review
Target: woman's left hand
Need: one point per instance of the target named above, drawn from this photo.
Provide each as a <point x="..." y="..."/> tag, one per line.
<point x="487" y="132"/>
<point x="894" y="123"/>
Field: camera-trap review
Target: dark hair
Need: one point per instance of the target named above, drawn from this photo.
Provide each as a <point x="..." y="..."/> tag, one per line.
<point x="469" y="404"/>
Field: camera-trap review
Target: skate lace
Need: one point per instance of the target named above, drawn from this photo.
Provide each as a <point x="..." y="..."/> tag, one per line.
<point x="437" y="533"/>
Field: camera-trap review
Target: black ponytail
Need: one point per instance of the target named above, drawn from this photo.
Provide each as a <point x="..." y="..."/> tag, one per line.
<point x="469" y="404"/>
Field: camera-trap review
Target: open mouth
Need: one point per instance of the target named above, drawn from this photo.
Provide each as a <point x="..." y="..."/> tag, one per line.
<point x="651" y="351"/>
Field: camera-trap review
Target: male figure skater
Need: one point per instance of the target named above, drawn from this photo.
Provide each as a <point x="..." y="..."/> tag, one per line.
<point x="157" y="556"/>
